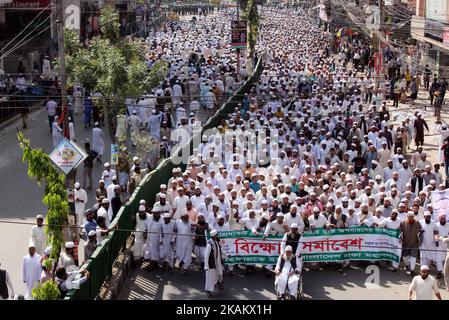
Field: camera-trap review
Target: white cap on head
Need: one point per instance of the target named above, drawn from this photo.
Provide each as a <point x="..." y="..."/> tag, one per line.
<point x="213" y="233"/>
<point x="39" y="216"/>
<point x="69" y="245"/>
<point x="31" y="245"/>
<point x="136" y="158"/>
<point x="77" y="185"/>
<point x="294" y="226"/>
<point x="92" y="233"/>
<point x="107" y="164"/>
<point x="280" y="214"/>
<point x="424" y="267"/>
<point x="427" y="213"/>
<point x="142" y="202"/>
<point x="104" y="201"/>
<point x="167" y="215"/>
<point x="289" y="248"/>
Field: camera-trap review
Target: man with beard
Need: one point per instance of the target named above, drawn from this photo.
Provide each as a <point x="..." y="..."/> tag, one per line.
<point x="410" y="229"/>
<point x="424" y="285"/>
<point x="441" y="254"/>
<point x="392" y="222"/>
<point x="200" y="239"/>
<point x="291" y="238"/>
<point x="213" y="263"/>
<point x="287" y="271"/>
<point x="428" y="246"/>
<point x="153" y="243"/>
<point x="140" y="234"/>
<point x="168" y="243"/>
<point x="184" y="242"/>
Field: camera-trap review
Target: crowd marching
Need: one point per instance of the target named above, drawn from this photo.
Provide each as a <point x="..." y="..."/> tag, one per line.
<point x="313" y="144"/>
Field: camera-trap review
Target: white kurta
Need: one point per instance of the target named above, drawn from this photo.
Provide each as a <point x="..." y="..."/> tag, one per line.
<point x="39" y="238"/>
<point x="56" y="133"/>
<point x="216" y="274"/>
<point x="139" y="242"/>
<point x="283" y="279"/>
<point x="428" y="241"/>
<point x="97" y="141"/>
<point x="184" y="242"/>
<point x="153" y="243"/>
<point x="80" y="206"/>
<point x="154" y="126"/>
<point x="122" y="128"/>
<point x="31" y="273"/>
<point x="167" y="250"/>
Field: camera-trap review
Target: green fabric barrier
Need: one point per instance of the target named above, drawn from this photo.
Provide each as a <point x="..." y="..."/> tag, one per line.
<point x="101" y="262"/>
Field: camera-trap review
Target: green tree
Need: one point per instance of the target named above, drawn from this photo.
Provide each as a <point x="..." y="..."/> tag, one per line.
<point x="111" y="66"/>
<point x="42" y="170"/>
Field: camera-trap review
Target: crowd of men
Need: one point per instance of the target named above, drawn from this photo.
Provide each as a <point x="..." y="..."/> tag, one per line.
<point x="315" y="146"/>
<point x="312" y="145"/>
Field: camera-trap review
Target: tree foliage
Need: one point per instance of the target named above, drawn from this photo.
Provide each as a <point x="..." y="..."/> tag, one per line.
<point x="111" y="66"/>
<point x="47" y="291"/>
<point x="42" y="170"/>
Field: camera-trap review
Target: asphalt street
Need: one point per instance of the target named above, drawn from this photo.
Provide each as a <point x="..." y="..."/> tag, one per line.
<point x="368" y="282"/>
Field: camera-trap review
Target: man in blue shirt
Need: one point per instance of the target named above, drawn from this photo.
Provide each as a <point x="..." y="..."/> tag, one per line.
<point x="254" y="185"/>
<point x="90" y="223"/>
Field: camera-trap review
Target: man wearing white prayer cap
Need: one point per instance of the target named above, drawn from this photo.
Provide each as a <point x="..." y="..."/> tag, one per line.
<point x="168" y="242"/>
<point x="287" y="271"/>
<point x="38" y="235"/>
<point x="67" y="258"/>
<point x="31" y="270"/>
<point x="80" y="196"/>
<point x="424" y="285"/>
<point x="142" y="218"/>
<point x="213" y="266"/>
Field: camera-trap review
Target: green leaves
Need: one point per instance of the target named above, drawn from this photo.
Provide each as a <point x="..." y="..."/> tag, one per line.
<point x="41" y="169"/>
<point x="110" y="24"/>
<point x="47" y="291"/>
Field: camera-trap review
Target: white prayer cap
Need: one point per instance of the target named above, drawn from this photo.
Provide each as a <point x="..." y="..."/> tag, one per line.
<point x="427" y="213"/>
<point x="200" y="214"/>
<point x="114" y="178"/>
<point x="264" y="202"/>
<point x="410" y="214"/>
<point x="116" y="187"/>
<point x="69" y="245"/>
<point x="163" y="186"/>
<point x="77" y="185"/>
<point x="142" y="202"/>
<point x="162" y="196"/>
<point x="424" y="267"/>
<point x="180" y="189"/>
<point x="294" y="226"/>
<point x="96" y="123"/>
<point x="107" y="164"/>
<point x="31" y="244"/>
<point x="289" y="248"/>
<point x="105" y="200"/>
<point x="213" y="233"/>
<point x="136" y="158"/>
<point x="316" y="209"/>
<point x="47" y="251"/>
<point x="167" y="215"/>
<point x="92" y="233"/>
<point x="39" y="216"/>
<point x="101" y="181"/>
<point x="280" y="214"/>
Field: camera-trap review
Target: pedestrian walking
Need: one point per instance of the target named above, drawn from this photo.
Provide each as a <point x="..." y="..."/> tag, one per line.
<point x="38" y="236"/>
<point x="424" y="286"/>
<point x="97" y="141"/>
<point x="213" y="264"/>
<point x="31" y="270"/>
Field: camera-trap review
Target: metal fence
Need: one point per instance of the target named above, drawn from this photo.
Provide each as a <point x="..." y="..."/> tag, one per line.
<point x="101" y="262"/>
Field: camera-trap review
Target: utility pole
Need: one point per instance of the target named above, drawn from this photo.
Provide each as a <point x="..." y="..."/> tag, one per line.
<point x="62" y="73"/>
<point x="379" y="77"/>
<point x="238" y="49"/>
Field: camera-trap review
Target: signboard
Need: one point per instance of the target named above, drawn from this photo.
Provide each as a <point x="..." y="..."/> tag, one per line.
<point x="436" y="10"/>
<point x="446" y="36"/>
<point x="72" y="16"/>
<point x="238" y="34"/>
<point x="114" y="154"/>
<point x="440" y="203"/>
<point x="29" y="4"/>
<point x="248" y="248"/>
<point x="67" y="155"/>
<point x="355" y="243"/>
<point x="434" y="30"/>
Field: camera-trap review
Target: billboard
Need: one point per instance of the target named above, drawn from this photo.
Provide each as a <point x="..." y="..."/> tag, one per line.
<point x="436" y="10"/>
<point x="238" y="34"/>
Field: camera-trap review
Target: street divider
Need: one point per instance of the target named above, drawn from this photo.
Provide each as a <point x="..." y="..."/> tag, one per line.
<point x="101" y="262"/>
